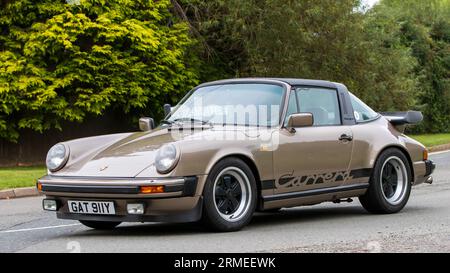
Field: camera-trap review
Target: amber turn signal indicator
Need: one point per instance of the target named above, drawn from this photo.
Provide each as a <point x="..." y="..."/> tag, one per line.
<point x="152" y="189"/>
<point x="425" y="154"/>
<point x="39" y="186"/>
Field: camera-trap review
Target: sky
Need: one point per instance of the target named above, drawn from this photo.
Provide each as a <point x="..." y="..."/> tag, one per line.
<point x="370" y="3"/>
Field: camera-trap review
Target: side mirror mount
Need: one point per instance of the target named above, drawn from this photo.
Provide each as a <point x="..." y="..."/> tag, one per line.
<point x="146" y="124"/>
<point x="167" y="109"/>
<point x="299" y="120"/>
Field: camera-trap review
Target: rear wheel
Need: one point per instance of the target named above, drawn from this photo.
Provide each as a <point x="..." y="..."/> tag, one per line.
<point x="390" y="184"/>
<point x="100" y="224"/>
<point x="229" y="195"/>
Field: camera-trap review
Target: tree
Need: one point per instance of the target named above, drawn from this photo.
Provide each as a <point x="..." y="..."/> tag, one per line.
<point x="64" y="62"/>
<point x="424" y="27"/>
<point x="318" y="39"/>
<point x="216" y="26"/>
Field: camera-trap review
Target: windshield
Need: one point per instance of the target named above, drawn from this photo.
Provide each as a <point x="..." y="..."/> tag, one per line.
<point x="232" y="104"/>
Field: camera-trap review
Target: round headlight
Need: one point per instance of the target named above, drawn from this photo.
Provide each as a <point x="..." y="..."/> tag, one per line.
<point x="166" y="158"/>
<point x="57" y="157"/>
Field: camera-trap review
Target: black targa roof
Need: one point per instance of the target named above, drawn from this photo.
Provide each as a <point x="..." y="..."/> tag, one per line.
<point x="290" y="81"/>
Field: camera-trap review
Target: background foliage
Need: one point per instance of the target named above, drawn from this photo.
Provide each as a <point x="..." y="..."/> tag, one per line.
<point x="64" y="62"/>
<point x="424" y="28"/>
<point x="394" y="56"/>
<point x="61" y="62"/>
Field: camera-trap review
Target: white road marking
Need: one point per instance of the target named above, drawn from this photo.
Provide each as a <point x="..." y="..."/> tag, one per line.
<point x="441" y="152"/>
<point x="38" y="228"/>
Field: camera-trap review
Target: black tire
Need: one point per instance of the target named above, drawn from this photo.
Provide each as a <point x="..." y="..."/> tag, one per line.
<point x="100" y="224"/>
<point x="375" y="200"/>
<point x="214" y="219"/>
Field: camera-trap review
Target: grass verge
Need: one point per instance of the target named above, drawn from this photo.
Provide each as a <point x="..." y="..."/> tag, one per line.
<point x="431" y="140"/>
<point x="19" y="177"/>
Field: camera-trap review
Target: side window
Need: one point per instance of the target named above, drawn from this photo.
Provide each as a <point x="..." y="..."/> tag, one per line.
<point x="292" y="107"/>
<point x="361" y="111"/>
<point x="322" y="103"/>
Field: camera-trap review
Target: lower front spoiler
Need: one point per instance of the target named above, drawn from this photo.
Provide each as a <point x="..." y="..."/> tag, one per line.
<point x="429" y="167"/>
<point x="152" y="213"/>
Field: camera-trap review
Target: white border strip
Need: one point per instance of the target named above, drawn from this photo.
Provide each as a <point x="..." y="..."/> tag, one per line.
<point x="38" y="228"/>
<point x="440" y="152"/>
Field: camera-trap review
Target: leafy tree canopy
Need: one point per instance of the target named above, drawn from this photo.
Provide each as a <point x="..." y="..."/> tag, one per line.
<point x="61" y="61"/>
<point x="394" y="56"/>
<point x="424" y="27"/>
<point x="65" y="62"/>
<point x="318" y="39"/>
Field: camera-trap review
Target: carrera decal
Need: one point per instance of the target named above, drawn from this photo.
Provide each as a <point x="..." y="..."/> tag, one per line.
<point x="289" y="181"/>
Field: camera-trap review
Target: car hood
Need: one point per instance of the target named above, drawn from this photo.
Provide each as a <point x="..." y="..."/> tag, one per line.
<point x="125" y="155"/>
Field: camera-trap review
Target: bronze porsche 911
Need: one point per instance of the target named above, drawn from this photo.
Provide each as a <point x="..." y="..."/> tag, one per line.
<point x="233" y="147"/>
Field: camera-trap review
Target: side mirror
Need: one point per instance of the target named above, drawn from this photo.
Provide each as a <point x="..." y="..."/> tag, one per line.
<point x="300" y="120"/>
<point x="146" y="124"/>
<point x="167" y="109"/>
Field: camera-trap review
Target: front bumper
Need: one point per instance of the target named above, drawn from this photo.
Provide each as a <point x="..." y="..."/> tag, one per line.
<point x="180" y="202"/>
<point x="169" y="210"/>
<point x="429" y="167"/>
<point x="117" y="187"/>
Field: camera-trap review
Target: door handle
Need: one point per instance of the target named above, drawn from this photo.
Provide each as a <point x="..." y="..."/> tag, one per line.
<point x="346" y="137"/>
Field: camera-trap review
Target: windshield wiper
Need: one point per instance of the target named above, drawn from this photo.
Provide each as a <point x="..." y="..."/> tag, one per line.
<point x="168" y="122"/>
<point x="192" y="120"/>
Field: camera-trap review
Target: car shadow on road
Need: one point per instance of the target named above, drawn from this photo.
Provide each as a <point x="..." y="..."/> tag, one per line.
<point x="260" y="220"/>
<point x="307" y="214"/>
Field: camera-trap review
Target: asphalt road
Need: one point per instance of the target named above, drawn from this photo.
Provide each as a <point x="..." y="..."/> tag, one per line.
<point x="422" y="226"/>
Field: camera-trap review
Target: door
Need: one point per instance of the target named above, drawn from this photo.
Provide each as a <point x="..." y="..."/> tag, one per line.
<point x="317" y="156"/>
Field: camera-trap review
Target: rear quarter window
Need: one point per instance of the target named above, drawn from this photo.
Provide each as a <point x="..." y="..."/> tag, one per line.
<point x="361" y="111"/>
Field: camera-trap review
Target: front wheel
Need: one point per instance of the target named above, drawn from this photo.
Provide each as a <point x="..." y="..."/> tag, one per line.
<point x="100" y="224"/>
<point x="229" y="195"/>
<point x="390" y="183"/>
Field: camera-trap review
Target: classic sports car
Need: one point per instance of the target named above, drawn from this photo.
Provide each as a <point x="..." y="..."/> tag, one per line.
<point x="233" y="147"/>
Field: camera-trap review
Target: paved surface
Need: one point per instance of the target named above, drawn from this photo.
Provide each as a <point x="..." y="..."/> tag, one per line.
<point x="20" y="192"/>
<point x="423" y="226"/>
